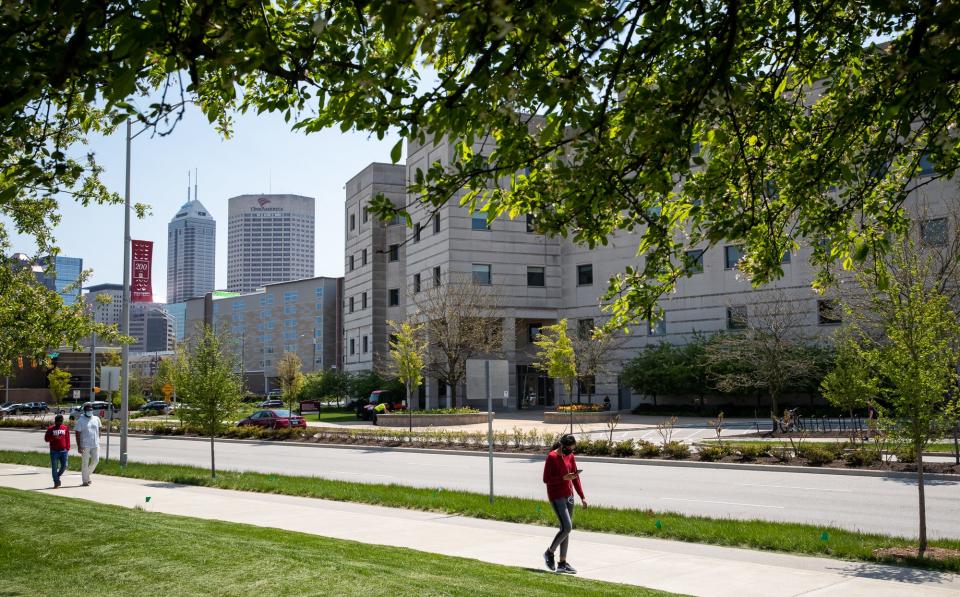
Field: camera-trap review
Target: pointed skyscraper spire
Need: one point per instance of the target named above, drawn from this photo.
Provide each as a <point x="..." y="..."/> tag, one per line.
<point x="188" y="186"/>
<point x="196" y="176"/>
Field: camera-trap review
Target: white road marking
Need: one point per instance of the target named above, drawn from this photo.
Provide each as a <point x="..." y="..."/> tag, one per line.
<point x="794" y="487"/>
<point x="726" y="503"/>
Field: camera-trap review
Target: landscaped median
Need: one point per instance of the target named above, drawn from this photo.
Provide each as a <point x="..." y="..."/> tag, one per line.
<point x="762" y="535"/>
<point x="123" y="551"/>
<point x="833" y="455"/>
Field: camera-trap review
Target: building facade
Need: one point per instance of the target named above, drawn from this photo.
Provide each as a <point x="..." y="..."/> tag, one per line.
<point x="300" y="316"/>
<point x="270" y="239"/>
<point x="539" y="280"/>
<point x="191" y="252"/>
<point x="58" y="273"/>
<point x="108" y="313"/>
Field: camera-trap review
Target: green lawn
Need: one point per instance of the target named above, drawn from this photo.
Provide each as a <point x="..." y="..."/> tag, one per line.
<point x="333" y="415"/>
<point x="763" y="535"/>
<point x="53" y="544"/>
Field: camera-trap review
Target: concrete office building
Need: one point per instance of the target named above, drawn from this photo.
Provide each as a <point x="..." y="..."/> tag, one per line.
<point x="300" y="316"/>
<point x="191" y="252"/>
<point x="108" y="313"/>
<point x="152" y="326"/>
<point x="270" y="239"/>
<point x="540" y="280"/>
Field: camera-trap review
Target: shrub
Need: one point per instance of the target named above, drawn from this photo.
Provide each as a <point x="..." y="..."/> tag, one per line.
<point x="906" y="454"/>
<point x="623" y="448"/>
<point x="548" y="439"/>
<point x="518" y="437"/>
<point x="711" y="453"/>
<point x="862" y="457"/>
<point x="600" y="447"/>
<point x="585" y="446"/>
<point x="501" y="439"/>
<point x="677" y="450"/>
<point x="749" y="453"/>
<point x="816" y="455"/>
<point x="648" y="450"/>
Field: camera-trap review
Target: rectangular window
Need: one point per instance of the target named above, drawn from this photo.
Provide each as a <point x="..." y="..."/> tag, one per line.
<point x="737" y="317"/>
<point x="531" y="223"/>
<point x="350" y="309"/>
<point x="416" y="232"/>
<point x="351" y="263"/>
<point x="416" y="282"/>
<point x="584" y="328"/>
<point x="657" y="327"/>
<point x="787" y="257"/>
<point x="933" y="233"/>
<point x="828" y="313"/>
<point x="585" y="274"/>
<point x="393" y="297"/>
<point x="289" y="309"/>
<point x="289" y="323"/>
<point x="436" y="277"/>
<point x="363" y="300"/>
<point x="289" y="297"/>
<point x="533" y="330"/>
<point x="366" y="345"/>
<point x="535" y="276"/>
<point x="481" y="274"/>
<point x="353" y="347"/>
<point x="366" y="215"/>
<point x="478" y="221"/>
<point x="353" y="222"/>
<point x="394" y="252"/>
<point x="436" y="223"/>
<point x="363" y="257"/>
<point x="694" y="261"/>
<point x="926" y="166"/>
<point x="731" y="256"/>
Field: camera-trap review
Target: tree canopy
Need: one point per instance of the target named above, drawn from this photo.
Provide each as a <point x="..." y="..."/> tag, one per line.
<point x="771" y="124"/>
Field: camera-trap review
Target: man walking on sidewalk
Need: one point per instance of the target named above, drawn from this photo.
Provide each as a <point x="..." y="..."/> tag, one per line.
<point x="58" y="436"/>
<point x="561" y="476"/>
<point x="88" y="442"/>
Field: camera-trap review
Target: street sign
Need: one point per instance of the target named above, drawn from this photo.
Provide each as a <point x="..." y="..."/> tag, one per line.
<point x="110" y="378"/>
<point x="76" y="394"/>
<point x="167" y="389"/>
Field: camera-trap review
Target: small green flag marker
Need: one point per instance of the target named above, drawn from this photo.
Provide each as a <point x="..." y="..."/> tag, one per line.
<point x="824" y="536"/>
<point x="538" y="509"/>
<point x="658" y="524"/>
<point x="148" y="499"/>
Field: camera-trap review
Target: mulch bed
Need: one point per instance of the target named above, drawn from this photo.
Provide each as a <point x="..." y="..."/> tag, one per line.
<point x="906" y="553"/>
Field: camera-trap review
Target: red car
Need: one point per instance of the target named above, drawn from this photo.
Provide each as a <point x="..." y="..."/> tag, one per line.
<point x="274" y="419"/>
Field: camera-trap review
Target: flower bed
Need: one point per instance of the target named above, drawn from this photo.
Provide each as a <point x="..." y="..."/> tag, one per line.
<point x="580" y="408"/>
<point x="577" y="417"/>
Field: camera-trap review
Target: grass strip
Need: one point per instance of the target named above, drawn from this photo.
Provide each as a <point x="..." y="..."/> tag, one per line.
<point x="754" y="534"/>
<point x="52" y="543"/>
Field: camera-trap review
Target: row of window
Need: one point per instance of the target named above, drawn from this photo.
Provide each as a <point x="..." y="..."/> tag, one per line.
<point x="365" y="341"/>
<point x="351" y="303"/>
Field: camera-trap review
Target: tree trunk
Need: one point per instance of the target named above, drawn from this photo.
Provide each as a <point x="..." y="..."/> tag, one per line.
<point x="452" y="388"/>
<point x="923" y="503"/>
<point x="213" y="462"/>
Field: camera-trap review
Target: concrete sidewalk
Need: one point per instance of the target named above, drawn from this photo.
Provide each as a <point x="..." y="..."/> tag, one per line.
<point x="668" y="565"/>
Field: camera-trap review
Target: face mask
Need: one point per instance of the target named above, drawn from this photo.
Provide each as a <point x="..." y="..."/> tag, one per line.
<point x="568" y="449"/>
<point x="87" y="413"/>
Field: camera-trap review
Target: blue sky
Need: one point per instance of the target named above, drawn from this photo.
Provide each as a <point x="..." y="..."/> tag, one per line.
<point x="262" y="155"/>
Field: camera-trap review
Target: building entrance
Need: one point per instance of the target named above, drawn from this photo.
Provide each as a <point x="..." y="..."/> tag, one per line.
<point x="534" y="387"/>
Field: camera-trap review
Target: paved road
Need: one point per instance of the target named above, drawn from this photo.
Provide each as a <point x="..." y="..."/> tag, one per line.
<point x="864" y="503"/>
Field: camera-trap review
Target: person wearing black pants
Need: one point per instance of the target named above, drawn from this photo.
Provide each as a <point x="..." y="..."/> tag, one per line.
<point x="561" y="476"/>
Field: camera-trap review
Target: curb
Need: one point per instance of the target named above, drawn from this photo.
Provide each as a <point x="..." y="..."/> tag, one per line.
<point x="811" y="470"/>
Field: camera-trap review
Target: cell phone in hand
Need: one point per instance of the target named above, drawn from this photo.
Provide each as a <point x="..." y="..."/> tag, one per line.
<point x="579" y="470"/>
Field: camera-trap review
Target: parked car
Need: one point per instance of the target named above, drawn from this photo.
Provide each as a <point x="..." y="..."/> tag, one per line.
<point x="100" y="408"/>
<point x="271" y="404"/>
<point x="28" y="408"/>
<point x="159" y="407"/>
<point x="9" y="409"/>
<point x="365" y="407"/>
<point x="273" y="419"/>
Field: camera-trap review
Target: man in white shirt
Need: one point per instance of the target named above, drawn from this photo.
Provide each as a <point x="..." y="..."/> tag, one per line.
<point x="88" y="442"/>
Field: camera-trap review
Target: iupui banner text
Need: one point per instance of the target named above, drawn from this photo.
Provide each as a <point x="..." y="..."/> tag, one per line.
<point x="141" y="289"/>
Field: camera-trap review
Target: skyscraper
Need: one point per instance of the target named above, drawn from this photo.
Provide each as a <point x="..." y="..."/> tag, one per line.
<point x="191" y="251"/>
<point x="269" y="239"/>
<point x="62" y="277"/>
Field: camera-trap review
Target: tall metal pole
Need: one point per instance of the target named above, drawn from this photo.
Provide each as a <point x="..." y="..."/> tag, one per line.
<point x="125" y="313"/>
<point x="486" y="376"/>
<point x="93" y="363"/>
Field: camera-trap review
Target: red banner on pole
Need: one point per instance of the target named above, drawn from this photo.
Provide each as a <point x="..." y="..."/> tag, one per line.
<point x="141" y="290"/>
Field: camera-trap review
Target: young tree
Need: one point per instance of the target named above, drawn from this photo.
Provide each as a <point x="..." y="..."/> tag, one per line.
<point x="593" y="350"/>
<point x="331" y="383"/>
<point x="555" y="355"/>
<point x="59" y="384"/>
<point x="291" y="378"/>
<point x="208" y="385"/>
<point x="407" y="350"/>
<point x="162" y="376"/>
<point x="654" y="371"/>
<point x="770" y="354"/>
<point x="910" y="341"/>
<point x="459" y="320"/>
<point x="850" y="384"/>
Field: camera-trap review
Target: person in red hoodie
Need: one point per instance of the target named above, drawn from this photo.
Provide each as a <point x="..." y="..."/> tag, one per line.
<point x="58" y="436"/>
<point x="561" y="476"/>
